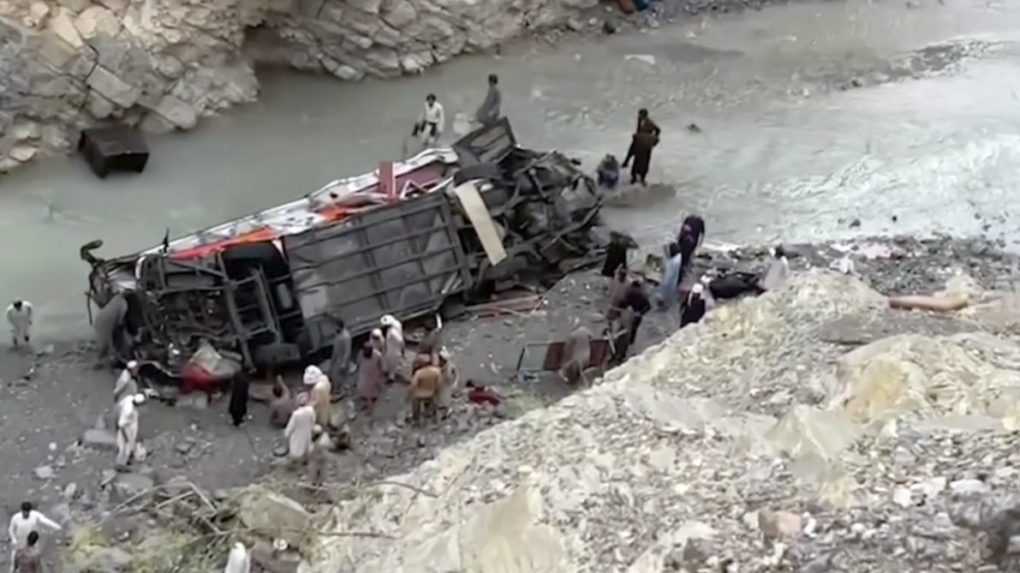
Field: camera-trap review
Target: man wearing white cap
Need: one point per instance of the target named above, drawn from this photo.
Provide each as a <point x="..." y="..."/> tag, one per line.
<point x="19" y="316"/>
<point x="127" y="382"/>
<point x="319" y="394"/>
<point x="239" y="560"/>
<point x="451" y="379"/>
<point x="299" y="430"/>
<point x="127" y="428"/>
<point x="393" y="356"/>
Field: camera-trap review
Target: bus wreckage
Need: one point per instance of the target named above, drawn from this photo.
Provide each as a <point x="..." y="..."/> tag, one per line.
<point x="267" y="289"/>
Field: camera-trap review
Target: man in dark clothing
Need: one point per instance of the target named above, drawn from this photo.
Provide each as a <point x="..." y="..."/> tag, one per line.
<point x="616" y="253"/>
<point x="489" y="112"/>
<point x="239" y="398"/>
<point x="645" y="138"/>
<point x="694" y="307"/>
<point x="637" y="300"/>
<point x="28" y="559"/>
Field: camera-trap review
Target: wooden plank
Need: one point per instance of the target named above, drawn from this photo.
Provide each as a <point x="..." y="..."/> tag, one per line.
<point x="481" y="220"/>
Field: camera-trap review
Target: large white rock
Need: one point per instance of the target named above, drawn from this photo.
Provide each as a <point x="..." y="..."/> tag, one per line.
<point x="95" y="21"/>
<point x="112" y="87"/>
<point x="62" y="25"/>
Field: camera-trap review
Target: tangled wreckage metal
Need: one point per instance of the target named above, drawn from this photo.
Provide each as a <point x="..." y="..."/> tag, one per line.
<point x="268" y="288"/>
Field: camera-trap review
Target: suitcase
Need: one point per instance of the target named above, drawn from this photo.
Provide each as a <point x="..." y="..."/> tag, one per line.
<point x="113" y="148"/>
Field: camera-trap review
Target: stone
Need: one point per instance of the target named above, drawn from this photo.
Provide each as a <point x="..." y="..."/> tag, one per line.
<point x="779" y="524"/>
<point x="37" y="13"/>
<point x="100" y="439"/>
<point x="399" y="13"/>
<point x="25" y="130"/>
<point x="75" y="6"/>
<point x="108" y="85"/>
<point x="61" y="24"/>
<point x="7" y="164"/>
<point x="118" y="7"/>
<point x="70" y="491"/>
<point x="44" y="472"/>
<point x="23" y="153"/>
<point x="97" y="21"/>
<point x="275" y="516"/>
<point x="129" y="485"/>
<point x="966" y="487"/>
<point x="902" y="497"/>
<point x="157" y="125"/>
<point x="99" y="106"/>
<point x="176" y="112"/>
<point x="809" y="432"/>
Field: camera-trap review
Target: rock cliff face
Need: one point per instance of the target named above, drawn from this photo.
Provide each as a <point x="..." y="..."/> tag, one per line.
<point x="163" y="64"/>
<point x="812" y="429"/>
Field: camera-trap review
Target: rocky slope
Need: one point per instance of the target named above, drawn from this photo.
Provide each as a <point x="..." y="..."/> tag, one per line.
<point x="163" y="64"/>
<point x="811" y="429"/>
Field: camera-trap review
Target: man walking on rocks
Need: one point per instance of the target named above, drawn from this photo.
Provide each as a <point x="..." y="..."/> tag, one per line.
<point x="282" y="406"/>
<point x="127" y="428"/>
<point x="23" y="524"/>
<point x="489" y="112"/>
<point x="340" y="362"/>
<point x="19" y="316"/>
<point x="127" y="382"/>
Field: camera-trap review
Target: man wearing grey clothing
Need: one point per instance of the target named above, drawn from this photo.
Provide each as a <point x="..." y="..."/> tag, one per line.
<point x="489" y="112"/>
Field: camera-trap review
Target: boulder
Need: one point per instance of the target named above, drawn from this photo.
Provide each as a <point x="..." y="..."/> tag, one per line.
<point x="23" y="153"/>
<point x="275" y="516"/>
<point x="779" y="524"/>
<point x="807" y="432"/>
<point x="100" y="439"/>
<point x="37" y="13"/>
<point x="176" y="112"/>
<point x="399" y="13"/>
<point x="97" y="21"/>
<point x="130" y="485"/>
<point x="108" y="85"/>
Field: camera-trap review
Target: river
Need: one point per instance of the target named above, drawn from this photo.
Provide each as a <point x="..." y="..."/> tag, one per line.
<point x="903" y="116"/>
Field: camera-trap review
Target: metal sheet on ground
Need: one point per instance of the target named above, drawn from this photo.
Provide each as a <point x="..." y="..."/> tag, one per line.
<point x="481" y="220"/>
<point x="404" y="260"/>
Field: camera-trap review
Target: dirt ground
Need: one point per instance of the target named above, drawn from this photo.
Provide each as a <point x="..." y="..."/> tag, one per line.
<point x="45" y="414"/>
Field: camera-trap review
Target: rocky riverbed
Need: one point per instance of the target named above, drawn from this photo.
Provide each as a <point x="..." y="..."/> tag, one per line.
<point x="781" y="432"/>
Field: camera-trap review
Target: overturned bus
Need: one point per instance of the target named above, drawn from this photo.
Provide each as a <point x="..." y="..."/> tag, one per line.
<point x="270" y="287"/>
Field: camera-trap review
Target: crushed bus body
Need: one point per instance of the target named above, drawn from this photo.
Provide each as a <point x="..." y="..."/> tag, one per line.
<point x="268" y="288"/>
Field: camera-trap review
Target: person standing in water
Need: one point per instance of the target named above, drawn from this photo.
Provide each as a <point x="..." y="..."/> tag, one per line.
<point x="645" y="138"/>
<point x="431" y="122"/>
<point x="490" y="110"/>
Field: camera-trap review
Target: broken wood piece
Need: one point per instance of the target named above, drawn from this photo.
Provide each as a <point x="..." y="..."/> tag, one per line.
<point x="928" y="302"/>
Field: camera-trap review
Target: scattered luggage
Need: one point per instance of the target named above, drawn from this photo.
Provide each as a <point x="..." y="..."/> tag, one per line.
<point x="113" y="148"/>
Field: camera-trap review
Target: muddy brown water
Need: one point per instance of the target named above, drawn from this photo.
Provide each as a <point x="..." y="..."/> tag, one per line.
<point x="811" y="115"/>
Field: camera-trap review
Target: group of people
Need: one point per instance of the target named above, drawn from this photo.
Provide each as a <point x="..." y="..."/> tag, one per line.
<point x="432" y="120"/>
<point x="23" y="531"/>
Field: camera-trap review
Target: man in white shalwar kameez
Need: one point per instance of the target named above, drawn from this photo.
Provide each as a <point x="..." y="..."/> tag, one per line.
<point x="778" y="271"/>
<point x="299" y="432"/>
<point x="127" y="382"/>
<point x="25" y="522"/>
<point x="127" y="428"/>
<point x="239" y="561"/>
<point x="320" y="393"/>
<point x="393" y="357"/>
<point x="19" y="316"/>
